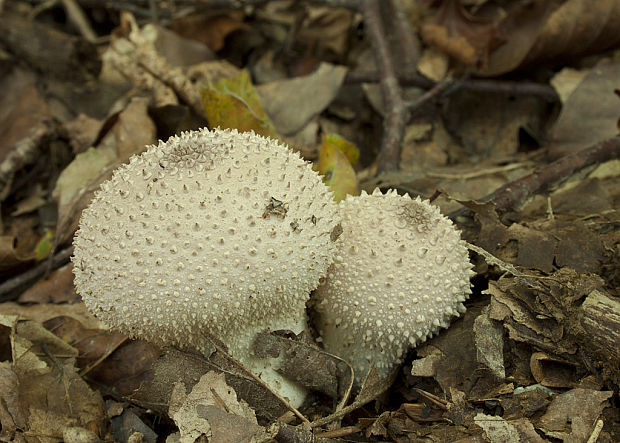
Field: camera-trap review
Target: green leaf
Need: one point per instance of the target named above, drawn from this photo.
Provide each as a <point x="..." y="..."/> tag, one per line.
<point x="45" y="244"/>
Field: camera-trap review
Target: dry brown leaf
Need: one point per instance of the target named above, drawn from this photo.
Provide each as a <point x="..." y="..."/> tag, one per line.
<point x="93" y="345"/>
<point x="170" y="366"/>
<point x="306" y="364"/>
<point x="571" y="415"/>
<point x="8" y="255"/>
<point x="326" y="28"/>
<point x="56" y="288"/>
<point x="40" y="313"/>
<point x="11" y="415"/>
<point x="591" y="112"/>
<point x="59" y="399"/>
<point x="21" y="108"/>
<point x="499" y="430"/>
<point x="211" y="409"/>
<point x="133" y="130"/>
<point x="291" y="103"/>
<point x="209" y="29"/>
<point x="467" y="38"/>
<point x="82" y="132"/>
<point x="575" y="28"/>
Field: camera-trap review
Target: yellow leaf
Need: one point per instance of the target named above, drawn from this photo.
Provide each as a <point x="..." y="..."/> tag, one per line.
<point x="336" y="168"/>
<point x="232" y="103"/>
<point x="349" y="149"/>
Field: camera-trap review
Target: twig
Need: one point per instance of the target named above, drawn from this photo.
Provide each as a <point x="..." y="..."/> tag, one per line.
<point x="78" y="18"/>
<point x="490" y="86"/>
<point x="23" y="153"/>
<point x="340" y="432"/>
<point x="54" y="262"/>
<point x="513" y="195"/>
<point x="435" y="92"/>
<point x="394" y="106"/>
<point x="408" y="45"/>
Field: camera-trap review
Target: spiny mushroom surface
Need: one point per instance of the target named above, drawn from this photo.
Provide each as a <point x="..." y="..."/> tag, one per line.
<point x="213" y="232"/>
<point x="401" y="272"/>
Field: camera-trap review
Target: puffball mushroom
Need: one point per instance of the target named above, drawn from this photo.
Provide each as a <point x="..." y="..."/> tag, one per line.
<point x="214" y="233"/>
<point x="401" y="272"/>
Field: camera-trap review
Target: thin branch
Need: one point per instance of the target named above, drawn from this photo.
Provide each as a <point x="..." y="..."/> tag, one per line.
<point x="491" y="86"/>
<point x="54" y="262"/>
<point x="79" y="19"/>
<point x="513" y="195"/>
<point x="432" y="94"/>
<point x="408" y="44"/>
<point x="394" y="106"/>
<point x="24" y="152"/>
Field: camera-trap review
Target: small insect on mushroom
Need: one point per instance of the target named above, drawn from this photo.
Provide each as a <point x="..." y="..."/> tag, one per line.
<point x="178" y="245"/>
<point x="401" y="272"/>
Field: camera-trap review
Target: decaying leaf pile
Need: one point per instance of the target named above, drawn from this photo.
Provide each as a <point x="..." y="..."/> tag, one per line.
<point x="504" y="113"/>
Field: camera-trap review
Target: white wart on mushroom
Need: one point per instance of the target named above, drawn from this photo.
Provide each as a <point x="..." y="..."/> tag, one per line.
<point x="401" y="272"/>
<point x="213" y="232"/>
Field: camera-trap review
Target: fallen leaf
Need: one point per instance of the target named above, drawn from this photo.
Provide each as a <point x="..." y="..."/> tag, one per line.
<point x="56" y="288"/>
<point x="178" y="50"/>
<point x="60" y="399"/>
<point x="45" y="244"/>
<point x="575" y="28"/>
<point x="76" y="185"/>
<point x="292" y="103"/>
<point x="34" y="201"/>
<point x="590" y="113"/>
<point x="499" y="430"/>
<point x="233" y="103"/>
<point x="93" y="345"/>
<point x="211" y="409"/>
<point x="82" y="132"/>
<point x="127" y="424"/>
<point x="209" y="29"/>
<point x="489" y="342"/>
<point x="326" y="28"/>
<point x="306" y="364"/>
<point x="40" y="313"/>
<point x="433" y="64"/>
<point x="571" y="415"/>
<point x="467" y="38"/>
<point x="335" y="167"/>
<point x="11" y="415"/>
<point x="8" y="254"/>
<point x="134" y="130"/>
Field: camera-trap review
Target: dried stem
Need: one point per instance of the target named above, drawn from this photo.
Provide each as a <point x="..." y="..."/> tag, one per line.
<point x="513" y="195"/>
<point x="394" y="107"/>
<point x="78" y="18"/>
<point x="491" y="86"/>
<point x="54" y="262"/>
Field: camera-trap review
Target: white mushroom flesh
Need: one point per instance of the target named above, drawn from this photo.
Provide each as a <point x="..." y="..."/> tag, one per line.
<point x="213" y="232"/>
<point x="401" y="272"/>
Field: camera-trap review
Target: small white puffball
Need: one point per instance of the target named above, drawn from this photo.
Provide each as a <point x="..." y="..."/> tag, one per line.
<point x="401" y="272"/>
